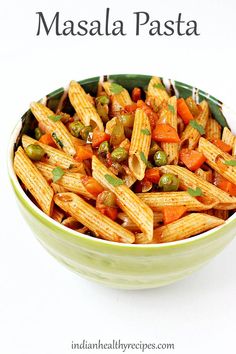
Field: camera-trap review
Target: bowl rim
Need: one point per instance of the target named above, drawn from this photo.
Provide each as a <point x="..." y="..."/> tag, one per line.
<point x="44" y="217"/>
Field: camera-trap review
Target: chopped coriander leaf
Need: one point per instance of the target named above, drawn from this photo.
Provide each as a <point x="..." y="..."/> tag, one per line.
<point x="57" y="173"/>
<point x="195" y="192"/>
<point x="197" y="126"/>
<point x="114" y="181"/>
<point x="58" y="141"/>
<point x="171" y="108"/>
<point x="145" y="132"/>
<point x="159" y="86"/>
<point x="55" y="118"/>
<point x="143" y="158"/>
<point x="116" y="88"/>
<point x="230" y="162"/>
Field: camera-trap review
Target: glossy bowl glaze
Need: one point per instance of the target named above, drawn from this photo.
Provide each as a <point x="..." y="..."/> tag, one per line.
<point x="114" y="264"/>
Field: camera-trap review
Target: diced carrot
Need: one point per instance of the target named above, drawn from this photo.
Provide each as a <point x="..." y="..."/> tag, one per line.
<point x="173" y="213"/>
<point x="165" y="133"/>
<point x="110" y="212"/>
<point x="222" y="145"/>
<point x="92" y="185"/>
<point x="48" y="140"/>
<point x="184" y="111"/>
<point x="153" y="116"/>
<point x="136" y="94"/>
<point x="83" y="152"/>
<point x="192" y="159"/>
<point x="131" y="108"/>
<point x="224" y="184"/>
<point x="99" y="137"/>
<point x="152" y="175"/>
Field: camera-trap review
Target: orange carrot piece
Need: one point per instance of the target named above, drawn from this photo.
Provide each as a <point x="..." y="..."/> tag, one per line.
<point x="99" y="137"/>
<point x="153" y="117"/>
<point x="131" y="108"/>
<point x="92" y="185"/>
<point x="111" y="212"/>
<point x="224" y="184"/>
<point x="222" y="145"/>
<point x="152" y="175"/>
<point x="192" y="159"/>
<point x="183" y="111"/>
<point x="83" y="152"/>
<point x="48" y="140"/>
<point x="165" y="133"/>
<point x="136" y="94"/>
<point x="173" y="213"/>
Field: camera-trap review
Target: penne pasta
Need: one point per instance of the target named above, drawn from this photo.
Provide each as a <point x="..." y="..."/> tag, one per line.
<point x="57" y="214"/>
<point x="71" y="181"/>
<point x="186" y="227"/>
<point x="157" y="91"/>
<point x="33" y="181"/>
<point x="136" y="209"/>
<point x="127" y="223"/>
<point x="157" y="200"/>
<point x="227" y="137"/>
<point x="140" y="144"/>
<point x="59" y="133"/>
<point x="190" y="180"/>
<point x="191" y="135"/>
<point x="217" y="159"/>
<point x="213" y="130"/>
<point x="54" y="156"/>
<point x="92" y="218"/>
<point x="206" y="175"/>
<point x="222" y="214"/>
<point x="119" y="99"/>
<point x="83" y="106"/>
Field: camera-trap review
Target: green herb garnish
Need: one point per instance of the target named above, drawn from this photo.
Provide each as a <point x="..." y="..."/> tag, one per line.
<point x="197" y="126"/>
<point x="159" y="86"/>
<point x="230" y="162"/>
<point x="57" y="173"/>
<point x="58" y="141"/>
<point x="171" y="108"/>
<point x="143" y="158"/>
<point x="55" y="118"/>
<point x="116" y="88"/>
<point x="195" y="192"/>
<point x="145" y="132"/>
<point x="114" y="181"/>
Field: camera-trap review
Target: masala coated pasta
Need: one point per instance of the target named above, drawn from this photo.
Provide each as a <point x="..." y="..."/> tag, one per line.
<point x="129" y="166"/>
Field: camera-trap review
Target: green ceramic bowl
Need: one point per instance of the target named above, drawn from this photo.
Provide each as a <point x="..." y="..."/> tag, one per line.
<point x="122" y="265"/>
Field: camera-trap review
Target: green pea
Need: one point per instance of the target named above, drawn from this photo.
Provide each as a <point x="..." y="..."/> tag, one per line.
<point x="127" y="120"/>
<point x="160" y="158"/>
<point x="84" y="133"/>
<point x="103" y="100"/>
<point x="169" y="182"/>
<point x="75" y="128"/>
<point x="34" y="152"/>
<point x="119" y="154"/>
<point x="104" y="148"/>
<point x="37" y="133"/>
<point x="108" y="198"/>
<point x="153" y="148"/>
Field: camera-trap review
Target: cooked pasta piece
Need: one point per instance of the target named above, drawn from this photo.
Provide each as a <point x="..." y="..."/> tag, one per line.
<point x="57" y="129"/>
<point x="71" y="222"/>
<point x="33" y="181"/>
<point x="157" y="200"/>
<point x="217" y="159"/>
<point x="157" y="91"/>
<point x="206" y="175"/>
<point x="55" y="156"/>
<point x="213" y="129"/>
<point x="227" y="137"/>
<point x="127" y="223"/>
<point x="140" y="144"/>
<point x="87" y="215"/>
<point x="171" y="149"/>
<point x="83" y="106"/>
<point x="222" y="214"/>
<point x="57" y="188"/>
<point x="136" y="209"/>
<point x="190" y="180"/>
<point x="191" y="135"/>
<point x="57" y="214"/>
<point x="71" y="181"/>
<point x="119" y="99"/>
<point x="186" y="227"/>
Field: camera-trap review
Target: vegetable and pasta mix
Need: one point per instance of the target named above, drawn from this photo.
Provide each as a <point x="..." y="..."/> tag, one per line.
<point x="139" y="167"/>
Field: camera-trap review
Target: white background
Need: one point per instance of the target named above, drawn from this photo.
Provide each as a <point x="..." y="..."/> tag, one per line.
<point x="43" y="307"/>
